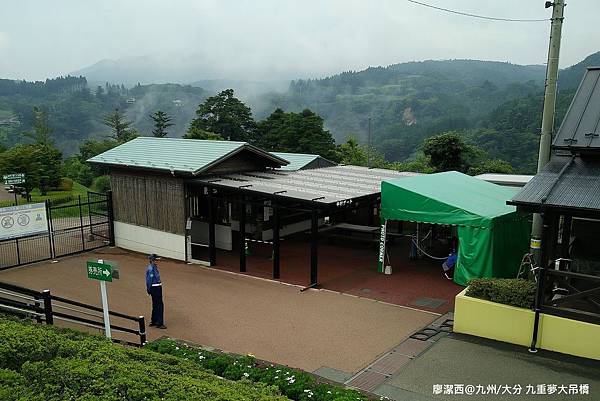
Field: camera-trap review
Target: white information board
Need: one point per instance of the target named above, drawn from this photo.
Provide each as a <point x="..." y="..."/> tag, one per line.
<point x="20" y="221"/>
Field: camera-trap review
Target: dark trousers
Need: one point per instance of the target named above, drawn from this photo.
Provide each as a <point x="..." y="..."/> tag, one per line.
<point x="158" y="307"/>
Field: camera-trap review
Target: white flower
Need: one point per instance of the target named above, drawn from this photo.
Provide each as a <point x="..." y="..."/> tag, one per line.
<point x="177" y="348"/>
<point x="328" y="392"/>
<point x="246" y="374"/>
<point x="276" y="377"/>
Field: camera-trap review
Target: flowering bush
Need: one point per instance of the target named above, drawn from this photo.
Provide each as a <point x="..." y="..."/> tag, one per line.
<point x="294" y="384"/>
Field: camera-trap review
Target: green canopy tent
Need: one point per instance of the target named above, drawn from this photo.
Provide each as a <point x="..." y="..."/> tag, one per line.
<point x="493" y="237"/>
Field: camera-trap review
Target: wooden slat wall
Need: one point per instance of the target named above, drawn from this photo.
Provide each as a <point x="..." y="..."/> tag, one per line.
<point x="149" y="200"/>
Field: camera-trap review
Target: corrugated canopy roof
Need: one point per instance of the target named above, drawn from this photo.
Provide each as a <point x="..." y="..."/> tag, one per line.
<point x="566" y="182"/>
<point x="300" y="160"/>
<point x="324" y="185"/>
<point x="191" y="156"/>
<point x="580" y="129"/>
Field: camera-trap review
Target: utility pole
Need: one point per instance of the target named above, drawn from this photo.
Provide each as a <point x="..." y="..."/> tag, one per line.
<point x="548" y="112"/>
<point x="369" y="146"/>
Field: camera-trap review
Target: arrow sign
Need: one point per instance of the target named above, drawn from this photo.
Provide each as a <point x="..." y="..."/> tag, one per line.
<point x="99" y="271"/>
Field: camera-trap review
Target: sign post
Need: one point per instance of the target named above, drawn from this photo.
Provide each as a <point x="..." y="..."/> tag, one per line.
<point x="382" y="240"/>
<point x="14" y="179"/>
<point x="102" y="272"/>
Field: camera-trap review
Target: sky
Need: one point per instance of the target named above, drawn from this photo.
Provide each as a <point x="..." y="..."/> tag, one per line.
<point x="279" y="39"/>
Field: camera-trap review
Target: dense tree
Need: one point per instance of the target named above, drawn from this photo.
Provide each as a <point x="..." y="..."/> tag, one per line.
<point x="201" y="134"/>
<point x="22" y="158"/>
<point x="121" y="128"/>
<point x="49" y="159"/>
<point x="295" y="132"/>
<point x="225" y="115"/>
<point x="448" y="151"/>
<point x="351" y="152"/>
<point x="80" y="172"/>
<point x="162" y="121"/>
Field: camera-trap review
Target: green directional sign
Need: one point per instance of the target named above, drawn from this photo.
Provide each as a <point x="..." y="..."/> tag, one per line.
<point x="99" y="271"/>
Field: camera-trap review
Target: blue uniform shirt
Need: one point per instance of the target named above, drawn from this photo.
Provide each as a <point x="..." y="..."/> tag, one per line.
<point x="152" y="276"/>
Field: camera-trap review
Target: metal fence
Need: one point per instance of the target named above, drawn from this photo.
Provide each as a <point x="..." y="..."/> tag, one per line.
<point x="45" y="307"/>
<point x="82" y="225"/>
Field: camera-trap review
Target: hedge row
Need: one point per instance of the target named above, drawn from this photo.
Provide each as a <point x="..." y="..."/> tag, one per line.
<point x="42" y="363"/>
<point x="508" y="291"/>
<point x="294" y="384"/>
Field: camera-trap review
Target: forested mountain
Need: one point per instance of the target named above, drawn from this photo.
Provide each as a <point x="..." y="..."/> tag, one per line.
<point x="493" y="104"/>
<point x="76" y="112"/>
<point x="498" y="105"/>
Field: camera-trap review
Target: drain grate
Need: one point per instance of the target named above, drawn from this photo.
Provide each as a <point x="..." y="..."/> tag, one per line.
<point x="432" y="303"/>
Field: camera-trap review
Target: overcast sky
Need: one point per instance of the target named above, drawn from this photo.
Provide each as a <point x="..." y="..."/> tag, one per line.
<point x="276" y="38"/>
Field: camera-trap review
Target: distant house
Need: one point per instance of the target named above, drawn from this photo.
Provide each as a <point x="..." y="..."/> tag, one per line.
<point x="131" y="100"/>
<point x="302" y="161"/>
<point x="177" y="103"/>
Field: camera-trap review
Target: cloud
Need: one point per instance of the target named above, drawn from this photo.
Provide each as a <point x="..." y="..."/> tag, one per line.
<point x="4" y="41"/>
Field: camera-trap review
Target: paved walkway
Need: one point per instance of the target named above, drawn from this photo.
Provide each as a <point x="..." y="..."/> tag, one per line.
<point x="241" y="314"/>
<point x="465" y="360"/>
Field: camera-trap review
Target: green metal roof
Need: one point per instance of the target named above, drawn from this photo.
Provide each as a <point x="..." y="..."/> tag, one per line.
<point x="178" y="155"/>
<point x="298" y="160"/>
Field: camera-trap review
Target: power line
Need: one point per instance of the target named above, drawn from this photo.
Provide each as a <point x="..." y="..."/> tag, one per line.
<point x="476" y="15"/>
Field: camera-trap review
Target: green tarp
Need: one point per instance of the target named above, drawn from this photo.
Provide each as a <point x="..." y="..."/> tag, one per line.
<point x="492" y="236"/>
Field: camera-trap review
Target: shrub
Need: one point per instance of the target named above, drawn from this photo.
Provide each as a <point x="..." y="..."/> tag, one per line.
<point x="508" y="291"/>
<point x="39" y="363"/>
<point x="292" y="383"/>
<point x="101" y="184"/>
<point x="66" y="184"/>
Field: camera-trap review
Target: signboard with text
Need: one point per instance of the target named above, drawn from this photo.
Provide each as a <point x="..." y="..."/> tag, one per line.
<point x="24" y="220"/>
<point x="13" y="179"/>
<point x="99" y="271"/>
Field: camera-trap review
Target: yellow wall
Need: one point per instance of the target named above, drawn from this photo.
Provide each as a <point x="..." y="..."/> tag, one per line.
<point x="515" y="325"/>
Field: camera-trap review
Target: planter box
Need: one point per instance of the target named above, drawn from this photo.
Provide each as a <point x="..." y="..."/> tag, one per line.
<point x="514" y="325"/>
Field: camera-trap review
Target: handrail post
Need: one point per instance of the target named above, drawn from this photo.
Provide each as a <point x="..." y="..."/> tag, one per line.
<point x="142" y="323"/>
<point x="48" y="306"/>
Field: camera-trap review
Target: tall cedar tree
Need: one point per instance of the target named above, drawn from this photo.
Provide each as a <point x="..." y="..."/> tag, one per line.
<point x="162" y="121"/>
<point x="296" y="132"/>
<point x="121" y="128"/>
<point x="225" y="115"/>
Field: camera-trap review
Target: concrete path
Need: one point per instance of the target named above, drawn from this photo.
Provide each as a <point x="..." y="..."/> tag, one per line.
<point x="241" y="314"/>
<point x="465" y="360"/>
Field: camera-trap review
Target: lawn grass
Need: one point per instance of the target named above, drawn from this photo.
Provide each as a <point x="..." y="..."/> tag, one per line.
<point x="56" y="197"/>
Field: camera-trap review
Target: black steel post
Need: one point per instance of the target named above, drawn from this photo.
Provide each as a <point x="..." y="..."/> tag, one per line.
<point x="242" y="236"/>
<point x="276" y="242"/>
<point x="81" y="224"/>
<point x="212" y="252"/>
<point x="314" y="246"/>
<point x="18" y="251"/>
<point x="565" y="237"/>
<point x="539" y="295"/>
<point x="111" y="218"/>
<point x="48" y="306"/>
<point x="51" y="229"/>
<point x="142" y="330"/>
<point x="89" y="207"/>
<point x="47" y="202"/>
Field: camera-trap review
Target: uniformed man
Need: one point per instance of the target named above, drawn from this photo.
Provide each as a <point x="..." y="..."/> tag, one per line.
<point x="154" y="289"/>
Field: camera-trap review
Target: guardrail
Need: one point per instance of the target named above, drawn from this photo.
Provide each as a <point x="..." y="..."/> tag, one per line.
<point x="44" y="307"/>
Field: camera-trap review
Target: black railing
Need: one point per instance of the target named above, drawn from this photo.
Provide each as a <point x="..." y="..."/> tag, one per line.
<point x="46" y="308"/>
<point x="571" y="295"/>
<point x="81" y="226"/>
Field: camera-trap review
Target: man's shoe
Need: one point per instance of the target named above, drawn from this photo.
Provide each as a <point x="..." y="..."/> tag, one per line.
<point x="162" y="326"/>
<point x="153" y="324"/>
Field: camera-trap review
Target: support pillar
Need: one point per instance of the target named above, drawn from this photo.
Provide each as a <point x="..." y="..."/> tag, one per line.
<point x="242" y="244"/>
<point x="276" y="258"/>
<point x="212" y="251"/>
<point x="314" y="246"/>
